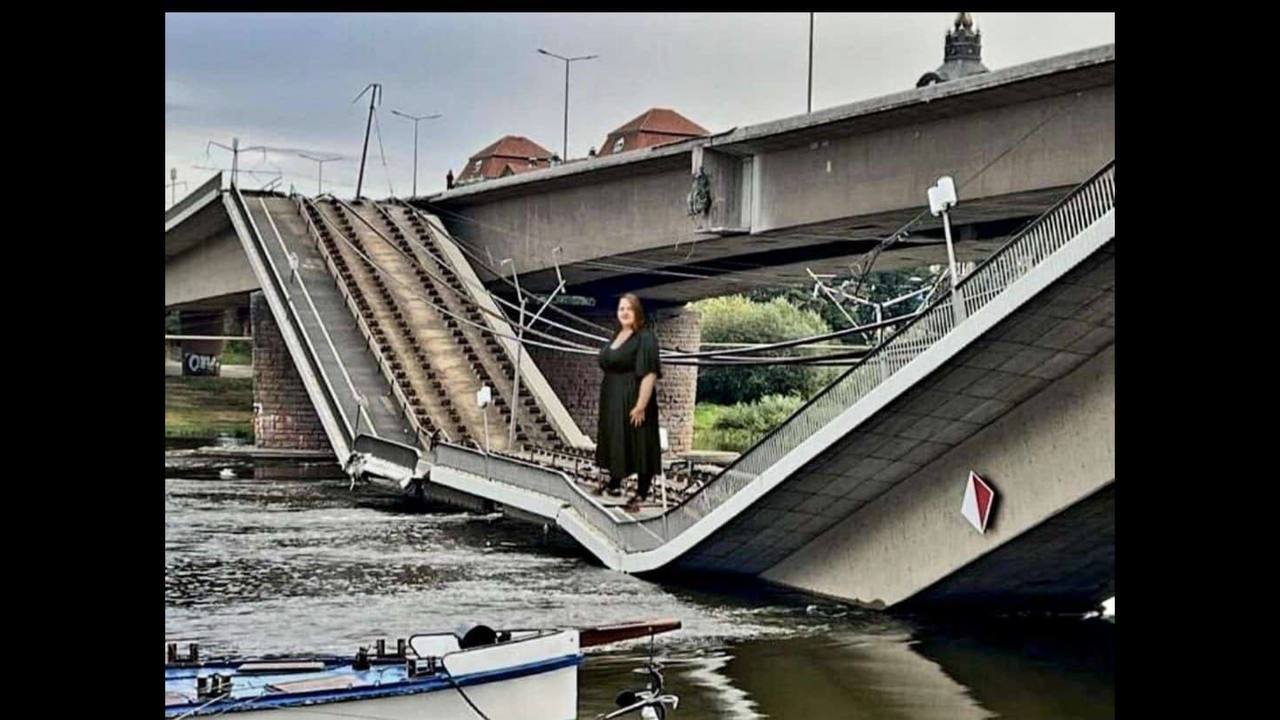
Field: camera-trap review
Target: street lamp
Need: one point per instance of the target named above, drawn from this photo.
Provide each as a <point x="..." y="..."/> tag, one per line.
<point x="319" y="161"/>
<point x="565" y="151"/>
<point x="810" y="106"/>
<point x="942" y="197"/>
<point x="415" y="119"/>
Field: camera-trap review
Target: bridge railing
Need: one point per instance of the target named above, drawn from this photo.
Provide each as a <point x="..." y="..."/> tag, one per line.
<point x="1083" y="206"/>
<point x="421" y="434"/>
<point x="1053" y="229"/>
<point x="210" y="187"/>
<point x="535" y="478"/>
<point x="345" y="433"/>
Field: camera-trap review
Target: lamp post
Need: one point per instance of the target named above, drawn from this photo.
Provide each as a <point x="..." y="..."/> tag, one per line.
<point x="415" y="119"/>
<point x="319" y="161"/>
<point x="942" y="197"/>
<point x="810" y="106"/>
<point x="566" y="60"/>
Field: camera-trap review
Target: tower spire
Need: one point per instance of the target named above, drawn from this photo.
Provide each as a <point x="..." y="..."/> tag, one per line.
<point x="961" y="54"/>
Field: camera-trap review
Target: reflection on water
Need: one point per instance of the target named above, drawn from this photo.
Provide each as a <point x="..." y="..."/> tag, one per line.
<point x="259" y="564"/>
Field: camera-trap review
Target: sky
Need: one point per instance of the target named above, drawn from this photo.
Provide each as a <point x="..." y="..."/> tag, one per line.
<point x="287" y="81"/>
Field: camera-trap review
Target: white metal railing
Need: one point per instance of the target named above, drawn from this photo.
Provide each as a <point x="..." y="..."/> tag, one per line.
<point x="281" y="289"/>
<point x="296" y="276"/>
<point x="1089" y="202"/>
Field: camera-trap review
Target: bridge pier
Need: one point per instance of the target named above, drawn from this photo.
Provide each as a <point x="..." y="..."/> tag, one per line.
<point x="576" y="378"/>
<point x="284" y="416"/>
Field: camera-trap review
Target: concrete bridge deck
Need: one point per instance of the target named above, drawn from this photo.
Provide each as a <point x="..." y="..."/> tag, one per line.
<point x="853" y="495"/>
<point x="819" y="189"/>
<point x="822" y="502"/>
<point x="830" y="500"/>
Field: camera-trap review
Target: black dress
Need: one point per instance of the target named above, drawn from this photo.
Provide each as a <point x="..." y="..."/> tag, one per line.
<point x="622" y="448"/>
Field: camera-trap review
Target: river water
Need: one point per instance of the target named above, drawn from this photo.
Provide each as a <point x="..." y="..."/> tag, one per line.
<point x="284" y="558"/>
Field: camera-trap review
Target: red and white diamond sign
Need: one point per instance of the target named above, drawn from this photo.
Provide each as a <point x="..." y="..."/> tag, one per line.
<point x="978" y="498"/>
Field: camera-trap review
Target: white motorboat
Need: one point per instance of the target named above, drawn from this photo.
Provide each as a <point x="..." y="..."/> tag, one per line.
<point x="499" y="675"/>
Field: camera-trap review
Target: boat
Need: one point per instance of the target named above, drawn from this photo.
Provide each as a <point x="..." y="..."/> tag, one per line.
<point x="483" y="673"/>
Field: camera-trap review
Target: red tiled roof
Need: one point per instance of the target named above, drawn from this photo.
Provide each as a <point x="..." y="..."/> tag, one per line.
<point x="508" y="156"/>
<point x="655" y="126"/>
<point x="514" y="146"/>
<point x="662" y="120"/>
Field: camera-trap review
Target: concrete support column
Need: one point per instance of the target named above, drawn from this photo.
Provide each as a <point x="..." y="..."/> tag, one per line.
<point x="576" y="378"/>
<point x="678" y="389"/>
<point x="283" y="414"/>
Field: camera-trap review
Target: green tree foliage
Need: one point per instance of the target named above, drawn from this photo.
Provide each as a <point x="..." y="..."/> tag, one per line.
<point x="737" y="427"/>
<point x="736" y="319"/>
<point x="878" y="286"/>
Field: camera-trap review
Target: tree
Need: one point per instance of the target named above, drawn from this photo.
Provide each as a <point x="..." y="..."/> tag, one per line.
<point x="878" y="286"/>
<point x="736" y="319"/>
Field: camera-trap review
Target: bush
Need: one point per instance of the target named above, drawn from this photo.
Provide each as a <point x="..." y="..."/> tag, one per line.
<point x="736" y="319"/>
<point x="737" y="427"/>
<point x="237" y="352"/>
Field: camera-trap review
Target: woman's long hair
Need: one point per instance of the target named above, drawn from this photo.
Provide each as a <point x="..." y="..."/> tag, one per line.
<point x="637" y="309"/>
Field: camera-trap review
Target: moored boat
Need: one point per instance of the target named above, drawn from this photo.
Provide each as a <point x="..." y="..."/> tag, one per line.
<point x="510" y="674"/>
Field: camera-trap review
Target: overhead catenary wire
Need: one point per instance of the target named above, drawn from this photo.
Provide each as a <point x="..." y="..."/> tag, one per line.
<point x="674" y="355"/>
<point x="879" y="247"/>
<point x="707" y="358"/>
<point x="748" y="269"/>
<point x="719" y="355"/>
<point x="386" y="172"/>
<point x="669" y="352"/>
<point x="875" y="251"/>
<point x="770" y="346"/>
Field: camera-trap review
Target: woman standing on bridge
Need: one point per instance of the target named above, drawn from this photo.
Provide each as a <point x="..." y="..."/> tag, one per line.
<point x="627" y="438"/>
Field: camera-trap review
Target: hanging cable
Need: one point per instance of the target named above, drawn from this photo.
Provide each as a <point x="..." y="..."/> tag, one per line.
<point x="386" y="172"/>
<point x="703" y="358"/>
<point x="675" y="358"/>
<point x="721" y="354"/>
<point x="753" y="270"/>
<point x="414" y="261"/>
<point x="894" y="237"/>
<point x="902" y="232"/>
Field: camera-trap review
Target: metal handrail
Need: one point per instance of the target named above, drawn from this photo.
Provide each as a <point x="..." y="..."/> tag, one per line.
<point x="923" y="330"/>
<point x="294" y="320"/>
<point x="324" y="330"/>
<point x="459" y="301"/>
<point x="422" y="436"/>
<point x="1053" y="229"/>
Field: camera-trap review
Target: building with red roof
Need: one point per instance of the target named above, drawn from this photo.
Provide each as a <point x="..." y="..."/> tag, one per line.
<point x="655" y="126"/>
<point x="511" y="155"/>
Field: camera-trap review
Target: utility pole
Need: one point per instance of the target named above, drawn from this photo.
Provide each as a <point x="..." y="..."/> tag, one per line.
<point x="235" y="154"/>
<point x="810" y="63"/>
<point x="415" y="119"/>
<point x="373" y="99"/>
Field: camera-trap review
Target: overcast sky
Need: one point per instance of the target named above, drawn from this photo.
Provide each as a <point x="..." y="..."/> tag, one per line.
<point x="287" y="80"/>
